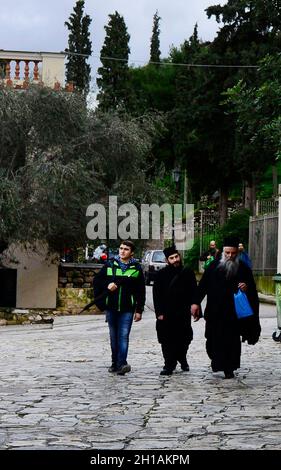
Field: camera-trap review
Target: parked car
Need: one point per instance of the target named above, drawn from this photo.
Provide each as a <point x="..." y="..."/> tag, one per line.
<point x="152" y="261"/>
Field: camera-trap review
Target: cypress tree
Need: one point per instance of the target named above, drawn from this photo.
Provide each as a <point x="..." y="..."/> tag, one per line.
<point x="114" y="74"/>
<point x="155" y="41"/>
<point x="78" y="70"/>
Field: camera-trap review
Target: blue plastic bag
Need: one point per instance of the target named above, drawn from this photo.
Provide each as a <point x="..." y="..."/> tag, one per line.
<point x="242" y="305"/>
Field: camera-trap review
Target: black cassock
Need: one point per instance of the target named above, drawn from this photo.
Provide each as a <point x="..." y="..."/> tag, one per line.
<point x="223" y="329"/>
<point x="174" y="291"/>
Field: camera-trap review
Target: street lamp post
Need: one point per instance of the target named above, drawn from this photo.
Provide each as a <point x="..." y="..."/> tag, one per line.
<point x="176" y="178"/>
<point x="176" y="172"/>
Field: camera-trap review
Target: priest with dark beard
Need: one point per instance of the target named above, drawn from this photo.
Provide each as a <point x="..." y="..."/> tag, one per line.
<point x="175" y="296"/>
<point x="223" y="330"/>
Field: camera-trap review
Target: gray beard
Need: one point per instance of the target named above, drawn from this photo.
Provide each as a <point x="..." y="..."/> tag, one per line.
<point x="229" y="266"/>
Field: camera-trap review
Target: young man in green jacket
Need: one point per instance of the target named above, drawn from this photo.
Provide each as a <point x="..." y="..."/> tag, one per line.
<point x="122" y="283"/>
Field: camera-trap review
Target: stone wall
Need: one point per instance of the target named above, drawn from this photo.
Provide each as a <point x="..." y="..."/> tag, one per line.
<point x="73" y="293"/>
<point x="75" y="287"/>
<point x="77" y="275"/>
<point x="71" y="300"/>
<point x="9" y="316"/>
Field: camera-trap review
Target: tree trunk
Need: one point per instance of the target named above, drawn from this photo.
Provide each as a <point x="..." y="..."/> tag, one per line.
<point x="223" y="205"/>
<point x="250" y="196"/>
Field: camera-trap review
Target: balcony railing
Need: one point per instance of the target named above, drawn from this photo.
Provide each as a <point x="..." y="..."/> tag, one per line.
<point x="20" y="68"/>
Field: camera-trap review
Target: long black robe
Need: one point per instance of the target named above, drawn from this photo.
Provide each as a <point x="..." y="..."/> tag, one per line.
<point x="223" y="328"/>
<point x="174" y="291"/>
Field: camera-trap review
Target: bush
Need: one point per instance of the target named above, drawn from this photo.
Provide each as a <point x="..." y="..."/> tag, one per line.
<point x="192" y="256"/>
<point x="236" y="226"/>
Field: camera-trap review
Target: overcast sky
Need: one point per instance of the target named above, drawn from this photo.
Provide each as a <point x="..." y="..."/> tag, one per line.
<point x="35" y="25"/>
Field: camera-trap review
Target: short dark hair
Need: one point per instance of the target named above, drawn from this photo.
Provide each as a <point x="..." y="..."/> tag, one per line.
<point x="129" y="243"/>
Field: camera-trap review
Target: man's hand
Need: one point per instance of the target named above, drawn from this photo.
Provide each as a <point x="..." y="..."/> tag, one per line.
<point x="242" y="286"/>
<point x="195" y="311"/>
<point x="160" y="317"/>
<point x="137" y="316"/>
<point x="112" y="286"/>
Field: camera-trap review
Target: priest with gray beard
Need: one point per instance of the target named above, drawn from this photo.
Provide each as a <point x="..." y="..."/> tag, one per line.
<point x="224" y="330"/>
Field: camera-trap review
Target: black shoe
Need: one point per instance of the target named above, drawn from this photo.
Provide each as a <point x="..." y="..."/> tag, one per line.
<point x="185" y="367"/>
<point x="112" y="369"/>
<point x="123" y="369"/>
<point x="228" y="374"/>
<point x="166" y="371"/>
<point x="214" y="369"/>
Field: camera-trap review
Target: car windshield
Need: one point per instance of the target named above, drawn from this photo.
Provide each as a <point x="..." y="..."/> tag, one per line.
<point x="158" y="257"/>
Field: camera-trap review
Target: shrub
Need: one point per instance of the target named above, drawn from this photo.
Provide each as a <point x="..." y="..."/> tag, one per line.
<point x="236" y="226"/>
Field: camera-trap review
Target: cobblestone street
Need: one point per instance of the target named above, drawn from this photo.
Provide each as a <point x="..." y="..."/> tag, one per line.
<point x="56" y="392"/>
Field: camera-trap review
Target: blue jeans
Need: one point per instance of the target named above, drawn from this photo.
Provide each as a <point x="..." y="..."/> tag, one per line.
<point x="119" y="329"/>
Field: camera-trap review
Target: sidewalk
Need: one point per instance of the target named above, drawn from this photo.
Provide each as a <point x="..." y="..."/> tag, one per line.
<point x="56" y="392"/>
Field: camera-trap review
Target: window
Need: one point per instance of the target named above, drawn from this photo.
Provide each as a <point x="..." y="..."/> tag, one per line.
<point x="158" y="257"/>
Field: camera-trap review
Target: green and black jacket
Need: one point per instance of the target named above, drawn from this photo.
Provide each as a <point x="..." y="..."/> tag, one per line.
<point x="130" y="295"/>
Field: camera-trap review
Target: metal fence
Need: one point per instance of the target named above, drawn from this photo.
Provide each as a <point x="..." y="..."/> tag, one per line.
<point x="208" y="226"/>
<point x="263" y="243"/>
<point x="263" y="234"/>
<point x="267" y="206"/>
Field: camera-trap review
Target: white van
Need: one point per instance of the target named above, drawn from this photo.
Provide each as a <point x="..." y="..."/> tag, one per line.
<point x="152" y="261"/>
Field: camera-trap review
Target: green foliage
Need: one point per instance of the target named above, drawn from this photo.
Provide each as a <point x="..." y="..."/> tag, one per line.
<point x="251" y="31"/>
<point x="237" y="226"/>
<point x="257" y="111"/>
<point x="55" y="118"/>
<point x="265" y="188"/>
<point x="191" y="257"/>
<point x="38" y="120"/>
<point x="10" y="206"/>
<point x="250" y="28"/>
<point x="216" y="150"/>
<point x="155" y="41"/>
<point x="15" y="124"/>
<point x="123" y="146"/>
<point x="56" y="201"/>
<point x="153" y="88"/>
<point x="203" y="134"/>
<point x="114" y="73"/>
<point x="79" y="44"/>
<point x="81" y="158"/>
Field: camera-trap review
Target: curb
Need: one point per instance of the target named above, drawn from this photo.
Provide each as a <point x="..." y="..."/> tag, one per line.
<point x="267" y="299"/>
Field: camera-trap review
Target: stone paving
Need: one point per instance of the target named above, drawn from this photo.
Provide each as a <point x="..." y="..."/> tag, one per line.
<point x="56" y="392"/>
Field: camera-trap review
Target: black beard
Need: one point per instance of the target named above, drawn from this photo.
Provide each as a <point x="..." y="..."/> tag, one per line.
<point x="175" y="266"/>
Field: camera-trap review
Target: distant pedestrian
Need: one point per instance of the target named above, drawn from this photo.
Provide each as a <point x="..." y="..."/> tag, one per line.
<point x="122" y="281"/>
<point x="211" y="254"/>
<point x="243" y="255"/>
<point x="100" y="255"/>
<point x="175" y="300"/>
<point x="219" y="282"/>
